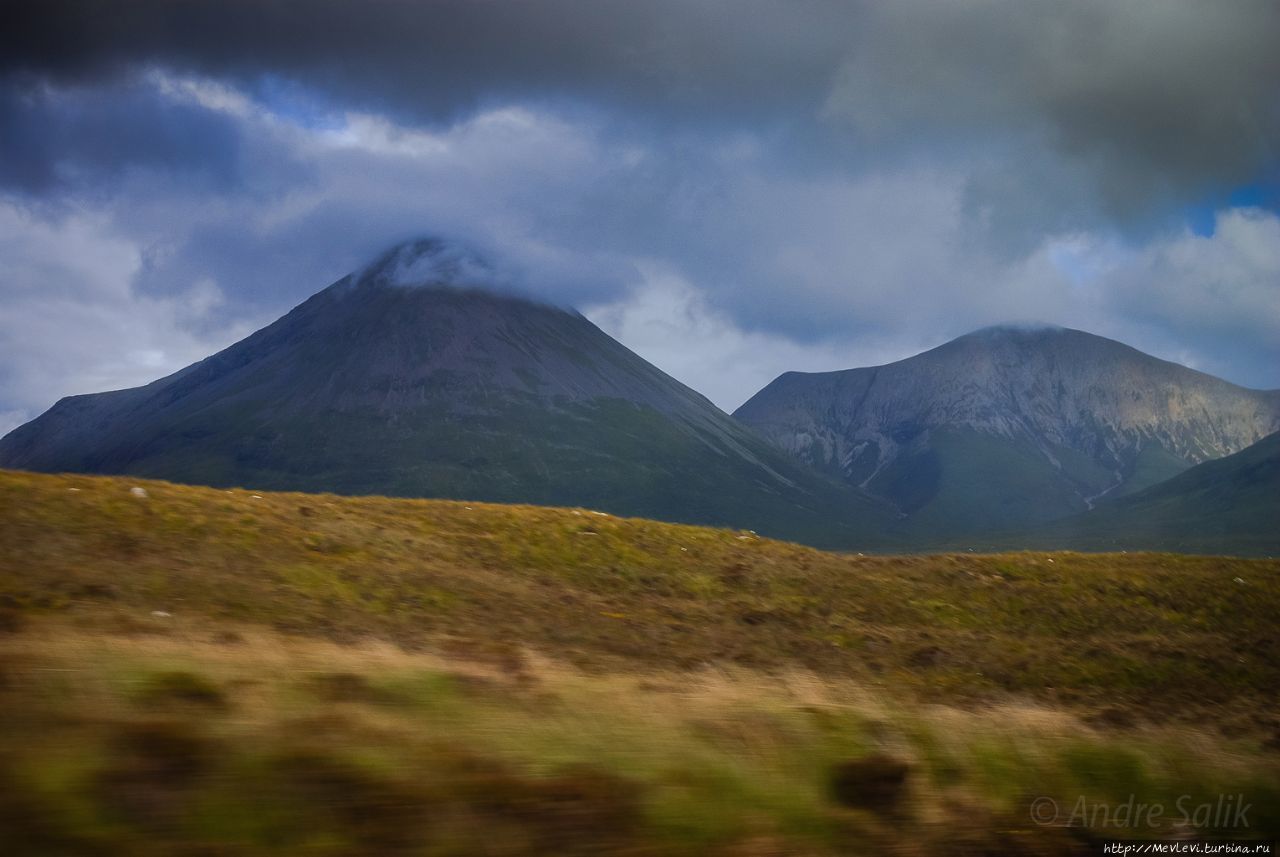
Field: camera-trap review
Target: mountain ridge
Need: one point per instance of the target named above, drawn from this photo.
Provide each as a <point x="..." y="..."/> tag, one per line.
<point x="427" y="374"/>
<point x="432" y="387"/>
<point x="1054" y="418"/>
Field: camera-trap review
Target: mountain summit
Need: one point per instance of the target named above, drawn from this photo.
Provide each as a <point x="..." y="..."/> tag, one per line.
<point x="428" y="262"/>
<point x="1009" y="426"/>
<point x="411" y="378"/>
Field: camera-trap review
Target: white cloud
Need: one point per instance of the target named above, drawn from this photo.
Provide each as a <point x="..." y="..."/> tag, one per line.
<point x="10" y="420"/>
<point x="209" y="94"/>
<point x="1227" y="283"/>
<point x="72" y="322"/>
<point x="670" y="323"/>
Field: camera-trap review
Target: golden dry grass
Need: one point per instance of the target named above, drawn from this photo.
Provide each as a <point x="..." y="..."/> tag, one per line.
<point x="368" y="676"/>
<point x="717" y="759"/>
<point x="1164" y="634"/>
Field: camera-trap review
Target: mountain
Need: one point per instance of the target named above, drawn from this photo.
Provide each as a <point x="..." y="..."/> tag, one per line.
<point x="1009" y="427"/>
<point x="410" y="379"/>
<point x="1227" y="506"/>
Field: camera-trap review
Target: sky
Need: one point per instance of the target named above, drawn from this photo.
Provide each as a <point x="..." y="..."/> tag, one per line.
<point x="732" y="188"/>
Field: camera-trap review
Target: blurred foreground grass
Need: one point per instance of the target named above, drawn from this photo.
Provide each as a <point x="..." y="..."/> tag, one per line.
<point x="203" y="672"/>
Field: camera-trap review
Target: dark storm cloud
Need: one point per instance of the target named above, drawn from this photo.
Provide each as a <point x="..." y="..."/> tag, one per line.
<point x="434" y="59"/>
<point x="50" y="139"/>
<point x="1154" y="100"/>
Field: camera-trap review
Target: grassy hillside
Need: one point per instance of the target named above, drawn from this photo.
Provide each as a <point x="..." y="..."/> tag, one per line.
<point x="1227" y="505"/>
<point x="202" y="671"/>
<point x="610" y="454"/>
<point x="967" y="483"/>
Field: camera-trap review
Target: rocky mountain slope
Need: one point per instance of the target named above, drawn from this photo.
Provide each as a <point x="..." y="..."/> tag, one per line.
<point x="1009" y="426"/>
<point x="410" y="378"/>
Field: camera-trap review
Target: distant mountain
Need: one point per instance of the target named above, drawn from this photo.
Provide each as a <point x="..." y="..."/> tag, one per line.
<point x="411" y="379"/>
<point x="1227" y="506"/>
<point x="1009" y="427"/>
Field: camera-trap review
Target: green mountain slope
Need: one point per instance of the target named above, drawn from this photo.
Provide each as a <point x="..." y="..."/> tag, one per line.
<point x="1229" y="505"/>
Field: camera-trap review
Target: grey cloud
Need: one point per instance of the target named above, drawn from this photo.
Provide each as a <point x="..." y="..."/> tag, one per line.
<point x="1215" y="299"/>
<point x="54" y="138"/>
<point x="1156" y="99"/>
<point x="1159" y="101"/>
<point x="446" y="56"/>
<point x="523" y="189"/>
<point x="72" y="324"/>
<point x="573" y="209"/>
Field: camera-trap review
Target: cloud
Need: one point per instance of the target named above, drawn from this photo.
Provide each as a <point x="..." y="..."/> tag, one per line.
<point x="669" y="322"/>
<point x="1206" y="302"/>
<point x="444" y="58"/>
<point x="570" y="210"/>
<point x="52" y="139"/>
<point x="1217" y="296"/>
<point x="1150" y="100"/>
<point x="1153" y="97"/>
<point x="1228" y="282"/>
<point x="73" y="324"/>
<point x="310" y="204"/>
<point x="512" y="184"/>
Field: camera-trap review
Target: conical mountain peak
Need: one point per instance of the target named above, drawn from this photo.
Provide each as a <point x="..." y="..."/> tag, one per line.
<point x="420" y="376"/>
<point x="431" y="262"/>
<point x="1018" y="329"/>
